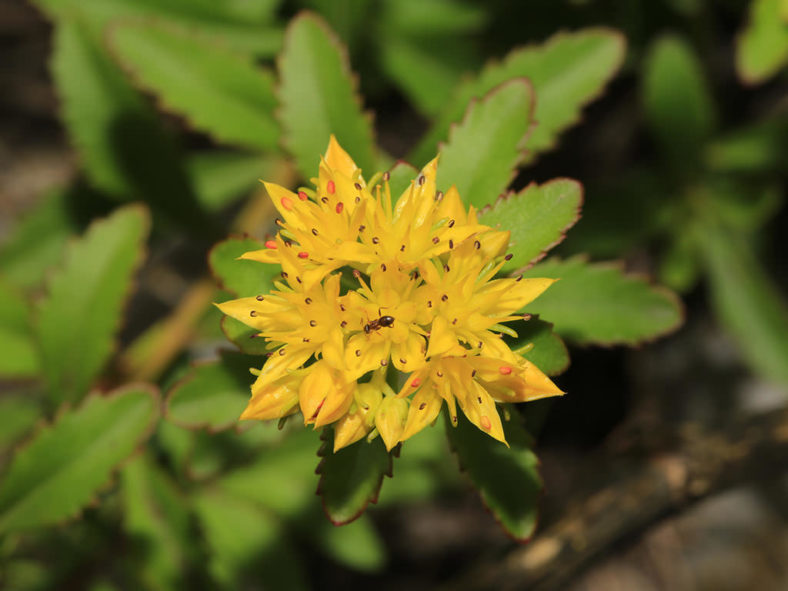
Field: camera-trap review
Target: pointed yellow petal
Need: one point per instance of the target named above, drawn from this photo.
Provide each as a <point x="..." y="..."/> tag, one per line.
<point x="338" y="159"/>
<point x="480" y="409"/>
<point x="273" y="401"/>
<point x="424" y="408"/>
<point x="390" y="419"/>
<point x="442" y="337"/>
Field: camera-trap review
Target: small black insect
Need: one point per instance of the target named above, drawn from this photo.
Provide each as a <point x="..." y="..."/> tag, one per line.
<point x="378" y="323"/>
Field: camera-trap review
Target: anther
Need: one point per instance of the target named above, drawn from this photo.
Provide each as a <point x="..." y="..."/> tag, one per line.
<point x="477" y="245"/>
<point x="382" y="266"/>
<point x="278" y="221"/>
<point x="375" y="240"/>
<point x="402" y="248"/>
<point x="422" y="180"/>
<point x="252" y="313"/>
<point x="361" y="228"/>
<point x="439" y="374"/>
<point x="384" y="362"/>
<point x="342" y="307"/>
<point x="339" y="207"/>
<point x="284" y="274"/>
<point x="358" y="199"/>
<point x="429" y="303"/>
<point x="358" y="352"/>
<point x="527" y="316"/>
<point x="422" y="405"/>
<point x="473" y="373"/>
<point x="415" y="383"/>
<point x="282" y="351"/>
<point x="451" y="223"/>
<point x="287" y="203"/>
<point x="324" y="199"/>
<point x="438" y="195"/>
<point x="259" y="298"/>
<point x="306" y="340"/>
<point x="519" y="277"/>
<point x="302" y="196"/>
<point x="343" y="324"/>
<point x="446" y="268"/>
<point x="479" y="398"/>
<point x="314" y="231"/>
<point x="454" y="321"/>
<point x="508" y="257"/>
<point x="270" y="244"/>
<point x="356" y="273"/>
<point x="303" y="255"/>
<point x="444" y="298"/>
<point x="357" y="186"/>
<point x="298" y="279"/>
<point x="505" y="370"/>
<point x="481" y="344"/>
<point x="312" y="323"/>
<point x="451" y="243"/>
<point x="436" y="240"/>
<point x="330" y="187"/>
<point x="386" y="176"/>
<point x="308" y="301"/>
<point x="403" y="361"/>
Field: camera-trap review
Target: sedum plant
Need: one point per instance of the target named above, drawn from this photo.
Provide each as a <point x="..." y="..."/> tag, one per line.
<point x="382" y="293"/>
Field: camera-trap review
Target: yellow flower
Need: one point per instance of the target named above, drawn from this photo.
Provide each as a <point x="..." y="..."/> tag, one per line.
<point x="376" y="293"/>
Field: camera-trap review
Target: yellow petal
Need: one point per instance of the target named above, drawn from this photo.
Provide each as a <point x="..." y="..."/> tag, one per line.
<point x="274" y="401"/>
<point x="353" y="427"/>
<point x="424" y="408"/>
<point x="480" y="409"/>
<point x="409" y="355"/>
<point x="390" y="419"/>
<point x="442" y="337"/>
<point x="338" y="159"/>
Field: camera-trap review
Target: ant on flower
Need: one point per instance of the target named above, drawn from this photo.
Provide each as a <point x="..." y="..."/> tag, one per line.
<point x="378" y="323"/>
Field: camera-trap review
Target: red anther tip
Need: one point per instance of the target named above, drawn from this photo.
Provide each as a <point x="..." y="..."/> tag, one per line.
<point x="485" y="421"/>
<point x="330" y="187"/>
<point x="303" y="255"/>
<point x="505" y="370"/>
<point x="340" y="206"/>
<point x="415" y="383"/>
<point x="302" y="196"/>
<point x="270" y="244"/>
<point x="287" y="203"/>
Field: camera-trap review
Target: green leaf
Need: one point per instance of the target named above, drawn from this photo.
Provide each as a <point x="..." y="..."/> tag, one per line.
<point x="156" y="515"/>
<point x="747" y="302"/>
<point x="241" y="277"/>
<point x="18" y="414"/>
<point x="81" y="313"/>
<point x="762" y="47"/>
<point x="401" y="175"/>
<point x="538" y="218"/>
<point x="65" y="464"/>
<point x="506" y="477"/>
<point x="244" y="337"/>
<point x="351" y="478"/>
<point x="676" y="98"/>
<point x="318" y="97"/>
<point x="483" y="151"/>
<point x="762" y="147"/>
<point x="18" y="354"/>
<point x="123" y="147"/>
<point x="567" y="71"/>
<point x="37" y="242"/>
<point x="599" y="304"/>
<point x="219" y="92"/>
<point x="218" y="22"/>
<point x="246" y="543"/>
<point x="356" y="545"/>
<point x="219" y="178"/>
<point x="281" y="478"/>
<point x="213" y="394"/>
<point x="549" y="352"/>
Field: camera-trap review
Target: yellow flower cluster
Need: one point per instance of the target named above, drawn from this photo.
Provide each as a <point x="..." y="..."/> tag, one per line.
<point x="378" y="296"/>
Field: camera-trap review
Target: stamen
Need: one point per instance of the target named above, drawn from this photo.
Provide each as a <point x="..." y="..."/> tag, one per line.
<point x="357" y="186"/>
<point x="342" y="307"/>
<point x="527" y="316"/>
<point x="422" y="405"/>
<point x="252" y="313"/>
<point x="343" y="324"/>
<point x="358" y="352"/>
<point x="361" y="228"/>
<point x="508" y="257"/>
<point x="439" y="374"/>
<point x="303" y="255"/>
<point x="446" y="268"/>
<point x="382" y="266"/>
<point x="402" y="248"/>
<point x="386" y="176"/>
<point x="330" y="187"/>
<point x="302" y="196"/>
<point x="270" y="244"/>
<point x="473" y="373"/>
<point x="384" y="362"/>
<point x="436" y="240"/>
<point x="422" y="180"/>
<point x="415" y="383"/>
<point x="403" y="361"/>
<point x="505" y="370"/>
<point x="444" y="298"/>
<point x="284" y="274"/>
<point x="324" y="199"/>
<point x="519" y="277"/>
<point x="451" y="223"/>
<point x="438" y="195"/>
<point x="358" y="199"/>
<point x="451" y="243"/>
<point x="375" y="240"/>
<point x="314" y="231"/>
<point x="282" y="351"/>
<point x="308" y="301"/>
<point x="312" y="323"/>
<point x="340" y="206"/>
<point x="454" y="321"/>
<point x="259" y="298"/>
